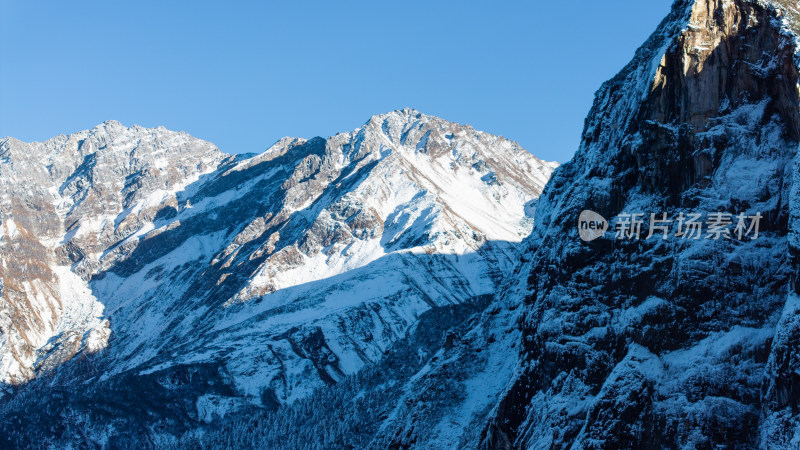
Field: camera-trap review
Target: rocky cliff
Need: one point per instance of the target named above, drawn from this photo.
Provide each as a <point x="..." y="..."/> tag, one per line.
<point x="671" y="342"/>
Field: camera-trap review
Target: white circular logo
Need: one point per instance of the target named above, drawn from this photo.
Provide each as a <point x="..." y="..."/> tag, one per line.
<point x="591" y="225"/>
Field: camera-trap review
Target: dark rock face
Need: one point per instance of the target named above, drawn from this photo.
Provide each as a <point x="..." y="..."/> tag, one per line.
<point x="671" y="343"/>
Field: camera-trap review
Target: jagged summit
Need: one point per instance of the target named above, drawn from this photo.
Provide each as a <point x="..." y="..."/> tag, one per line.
<point x="108" y="128"/>
<point x="402" y="114"/>
<point x="395" y="125"/>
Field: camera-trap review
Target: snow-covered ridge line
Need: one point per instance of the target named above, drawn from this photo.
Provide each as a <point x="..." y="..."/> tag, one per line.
<point x="322" y="251"/>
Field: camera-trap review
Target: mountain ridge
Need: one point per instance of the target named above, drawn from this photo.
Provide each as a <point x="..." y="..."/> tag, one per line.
<point x="160" y="254"/>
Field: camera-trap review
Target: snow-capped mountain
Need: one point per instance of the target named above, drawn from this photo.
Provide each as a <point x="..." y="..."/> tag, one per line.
<point x="262" y="277"/>
<point x="390" y="288"/>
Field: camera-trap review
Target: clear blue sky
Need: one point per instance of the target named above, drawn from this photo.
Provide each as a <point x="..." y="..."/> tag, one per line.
<point x="244" y="74"/>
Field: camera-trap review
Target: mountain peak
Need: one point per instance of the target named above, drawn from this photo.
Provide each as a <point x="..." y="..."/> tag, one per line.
<point x="402" y="112"/>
